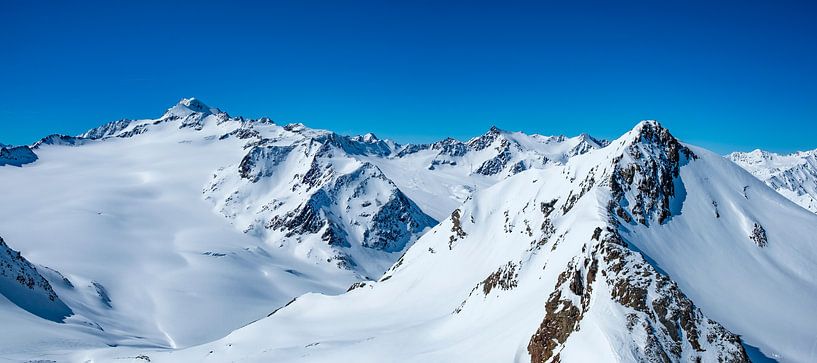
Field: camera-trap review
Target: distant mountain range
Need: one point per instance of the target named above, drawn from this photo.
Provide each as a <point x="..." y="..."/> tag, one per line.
<point x="793" y="175"/>
<point x="201" y="236"/>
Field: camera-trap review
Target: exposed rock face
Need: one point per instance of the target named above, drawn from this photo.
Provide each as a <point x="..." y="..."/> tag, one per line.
<point x="456" y="228"/>
<point x="504" y="278"/>
<point x="314" y="185"/>
<point x="484" y="141"/>
<point x="664" y="323"/>
<point x="497" y="163"/>
<point x="16" y="155"/>
<point x="57" y="139"/>
<point x="499" y="153"/>
<point x="393" y="226"/>
<point x="646" y="174"/>
<point x="315" y="191"/>
<point x="450" y="147"/>
<point x="107" y="130"/>
<point x="759" y="235"/>
<point x="22" y="284"/>
<point x="551" y="257"/>
<point x="671" y="327"/>
<point x="261" y="161"/>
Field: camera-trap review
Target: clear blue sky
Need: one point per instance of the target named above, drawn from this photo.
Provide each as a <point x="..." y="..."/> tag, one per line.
<point x="721" y="74"/>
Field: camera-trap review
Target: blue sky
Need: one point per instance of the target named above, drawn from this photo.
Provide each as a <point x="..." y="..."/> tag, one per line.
<point x="727" y="75"/>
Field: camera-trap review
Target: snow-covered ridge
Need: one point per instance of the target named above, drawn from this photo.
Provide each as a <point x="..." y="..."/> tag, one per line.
<point x="162" y="222"/>
<point x="609" y="257"/>
<point x="793" y="175"/>
<point x="437" y="176"/>
<point x="22" y="284"/>
<point x="16" y="155"/>
<point x="183" y="238"/>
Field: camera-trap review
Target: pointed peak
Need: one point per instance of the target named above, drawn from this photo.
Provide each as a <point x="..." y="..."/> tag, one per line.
<point x="649" y="132"/>
<point x="759" y="153"/>
<point x="494" y="130"/>
<point x="587" y="138"/>
<point x="190" y="105"/>
<point x="369" y="138"/>
<point x="647" y="123"/>
<point x="194" y="104"/>
<point x="646" y="127"/>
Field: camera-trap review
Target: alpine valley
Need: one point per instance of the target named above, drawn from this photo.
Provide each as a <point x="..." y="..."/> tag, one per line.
<point x="203" y="237"/>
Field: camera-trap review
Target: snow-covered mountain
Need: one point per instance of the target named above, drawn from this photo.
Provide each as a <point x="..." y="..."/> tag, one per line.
<point x="22" y="284"/>
<point x="174" y="231"/>
<point x="308" y="195"/>
<point x="16" y="155"/>
<point x="644" y="250"/>
<point x="441" y="175"/>
<point x="793" y="175"/>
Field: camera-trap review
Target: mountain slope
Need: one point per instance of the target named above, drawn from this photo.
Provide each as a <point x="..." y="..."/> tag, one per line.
<point x="441" y="175"/>
<point x="22" y="284"/>
<point x="16" y="155"/>
<point x="793" y="175"/>
<point x="610" y="257"/>
<point x="308" y="194"/>
<point x="163" y="222"/>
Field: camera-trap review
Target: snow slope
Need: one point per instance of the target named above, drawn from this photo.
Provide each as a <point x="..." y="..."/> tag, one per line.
<point x="175" y="231"/>
<point x="793" y="175"/>
<point x="644" y="250"/>
<point x="21" y="284"/>
<point x="124" y="220"/>
<point x="440" y="176"/>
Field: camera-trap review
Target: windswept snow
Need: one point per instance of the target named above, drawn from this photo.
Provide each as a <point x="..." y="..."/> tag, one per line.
<point x="201" y="236"/>
<point x="175" y="231"/>
<point x="639" y="251"/>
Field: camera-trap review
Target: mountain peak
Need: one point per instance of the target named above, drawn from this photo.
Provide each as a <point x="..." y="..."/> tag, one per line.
<point x="194" y="104"/>
<point x="187" y="106"/>
<point x="370" y="137"/>
<point x="649" y="132"/>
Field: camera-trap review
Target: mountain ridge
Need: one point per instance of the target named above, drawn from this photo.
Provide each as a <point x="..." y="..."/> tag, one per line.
<point x="593" y="269"/>
<point x="794" y="175"/>
<point x="580" y="249"/>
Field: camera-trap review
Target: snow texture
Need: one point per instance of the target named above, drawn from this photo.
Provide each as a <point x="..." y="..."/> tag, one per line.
<point x="201" y="236"/>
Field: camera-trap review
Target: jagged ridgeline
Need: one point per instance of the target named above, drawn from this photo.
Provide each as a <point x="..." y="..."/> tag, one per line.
<point x="793" y="175"/>
<point x="22" y="284"/>
<point x="608" y="257"/>
<point x="211" y="212"/>
<point x="355" y="202"/>
<point x="325" y="247"/>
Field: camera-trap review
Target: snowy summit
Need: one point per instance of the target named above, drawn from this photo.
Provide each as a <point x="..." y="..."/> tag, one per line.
<point x="201" y="236"/>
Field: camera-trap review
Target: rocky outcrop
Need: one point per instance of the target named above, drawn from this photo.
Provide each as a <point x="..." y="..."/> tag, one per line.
<point x="23" y="285"/>
<point x="664" y="324"/>
<point x="485" y="140"/>
<point x="314" y="189"/>
<point x="107" y="130"/>
<point x="758" y="235"/>
<point x="647" y="173"/>
<point x="393" y="226"/>
<point x="57" y="139"/>
<point x="497" y="163"/>
<point x="261" y="161"/>
<point x="16" y="155"/>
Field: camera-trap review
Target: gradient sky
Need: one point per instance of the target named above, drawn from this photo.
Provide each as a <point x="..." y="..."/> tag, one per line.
<point x="725" y="75"/>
